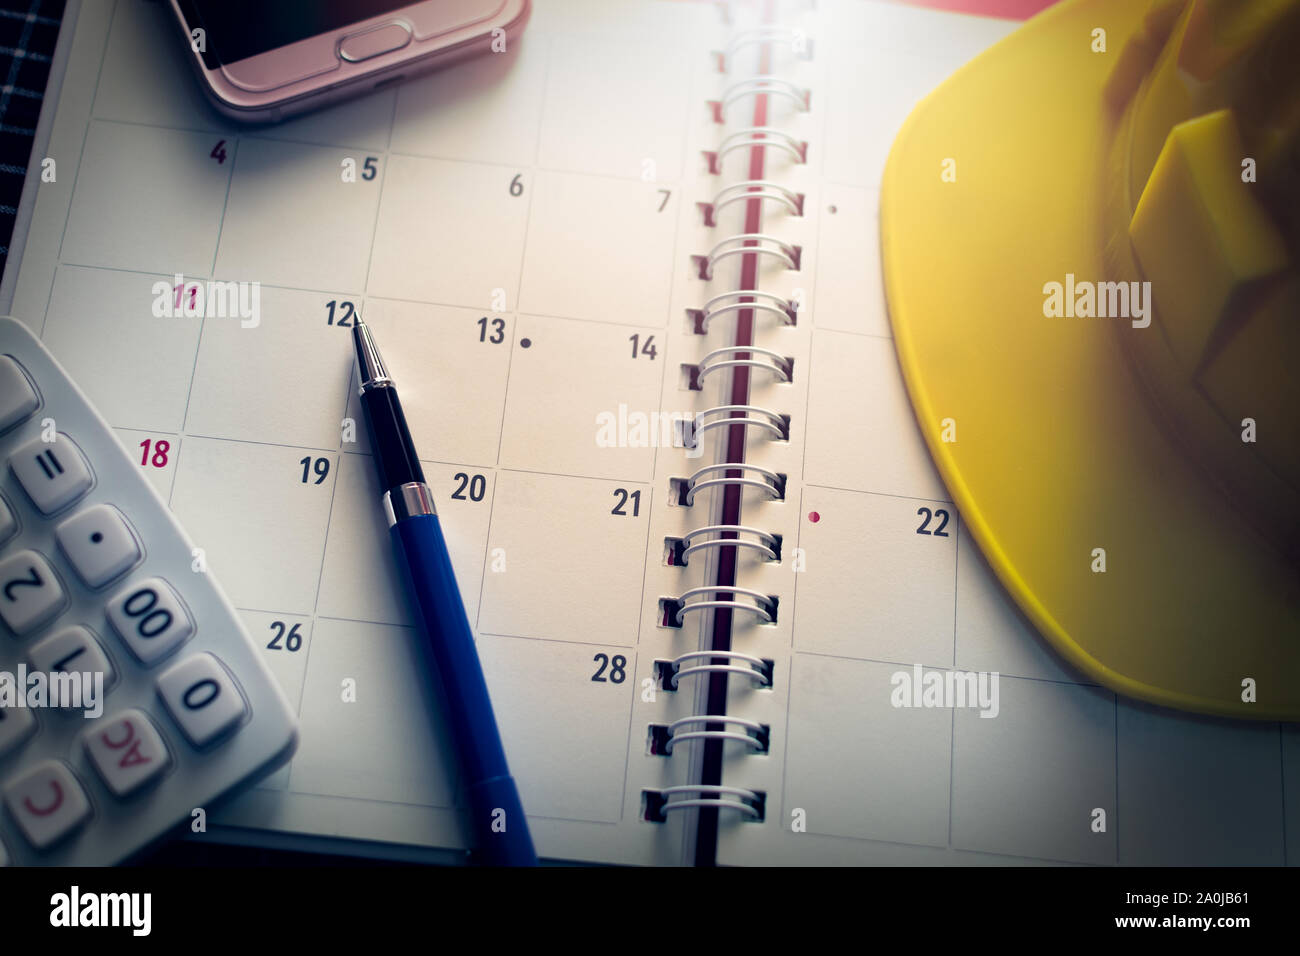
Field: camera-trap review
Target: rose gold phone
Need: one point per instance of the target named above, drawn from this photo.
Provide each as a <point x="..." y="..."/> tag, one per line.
<point x="261" y="61"/>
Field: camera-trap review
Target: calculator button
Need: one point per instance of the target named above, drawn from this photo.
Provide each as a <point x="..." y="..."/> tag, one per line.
<point x="71" y="650"/>
<point x="127" y="751"/>
<point x="30" y="593"/>
<point x="202" y="698"/>
<point x="150" y="618"/>
<point x="8" y="523"/>
<point x="47" y="802"/>
<point x="99" y="543"/>
<point x="16" y="725"/>
<point x="17" y="397"/>
<point x="53" y="473"/>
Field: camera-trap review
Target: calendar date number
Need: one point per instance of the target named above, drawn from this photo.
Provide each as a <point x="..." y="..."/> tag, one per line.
<point x="492" y="331"/>
<point x="616" y="666"/>
<point x="471" y="488"/>
<point x="623" y="498"/>
<point x="339" y="313"/>
<point x="938" y="514"/>
<point x="160" y="449"/>
<point x="286" y="638"/>
<point x="646" y="348"/>
<point x="319" y="467"/>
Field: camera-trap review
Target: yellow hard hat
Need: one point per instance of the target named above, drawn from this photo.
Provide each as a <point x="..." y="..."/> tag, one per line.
<point x="1090" y="237"/>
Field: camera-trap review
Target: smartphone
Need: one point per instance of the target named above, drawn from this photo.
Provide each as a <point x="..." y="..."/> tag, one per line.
<point x="261" y="61"/>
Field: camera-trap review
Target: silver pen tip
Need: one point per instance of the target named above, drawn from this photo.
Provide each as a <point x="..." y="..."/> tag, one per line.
<point x="371" y="370"/>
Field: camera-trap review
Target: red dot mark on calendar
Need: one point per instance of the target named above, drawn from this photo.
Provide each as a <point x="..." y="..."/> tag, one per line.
<point x="814" y="517"/>
<point x="832" y="210"/>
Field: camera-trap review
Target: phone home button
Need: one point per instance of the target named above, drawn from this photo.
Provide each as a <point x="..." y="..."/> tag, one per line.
<point x="381" y="39"/>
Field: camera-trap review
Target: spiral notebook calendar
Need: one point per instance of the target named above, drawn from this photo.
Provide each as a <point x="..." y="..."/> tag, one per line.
<point x="627" y="275"/>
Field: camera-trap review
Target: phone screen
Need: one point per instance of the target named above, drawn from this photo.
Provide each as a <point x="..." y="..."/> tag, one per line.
<point x="238" y="29"/>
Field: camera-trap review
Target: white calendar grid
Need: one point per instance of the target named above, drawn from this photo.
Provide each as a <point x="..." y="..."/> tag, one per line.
<point x="878" y="784"/>
<point x="468" y="187"/>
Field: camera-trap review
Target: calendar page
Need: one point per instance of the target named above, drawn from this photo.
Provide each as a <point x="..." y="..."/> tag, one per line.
<point x="526" y="233"/>
<point x="519" y="232"/>
<point x="894" y="597"/>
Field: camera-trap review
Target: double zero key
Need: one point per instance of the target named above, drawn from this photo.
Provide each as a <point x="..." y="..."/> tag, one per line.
<point x="150" y="619"/>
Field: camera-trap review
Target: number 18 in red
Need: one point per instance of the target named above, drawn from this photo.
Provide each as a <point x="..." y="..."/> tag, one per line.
<point x="160" y="450"/>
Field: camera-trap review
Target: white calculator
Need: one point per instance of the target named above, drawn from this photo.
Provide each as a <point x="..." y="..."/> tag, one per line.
<point x="104" y="604"/>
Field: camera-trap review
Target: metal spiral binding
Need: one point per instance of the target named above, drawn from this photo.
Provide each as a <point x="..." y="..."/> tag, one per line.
<point x="757" y="35"/>
<point x="659" y="802"/>
<point x="760" y="301"/>
<point x="758" y="670"/>
<point x="754" y="416"/>
<point x="760" y="136"/>
<point x="780" y="366"/>
<point x="768" y="545"/>
<point x="753" y="85"/>
<point x="771" y="483"/>
<point x="714" y="538"/>
<point x="763" y="608"/>
<point x="738" y="245"/>
<point x="751" y="189"/>
<point x="667" y="736"/>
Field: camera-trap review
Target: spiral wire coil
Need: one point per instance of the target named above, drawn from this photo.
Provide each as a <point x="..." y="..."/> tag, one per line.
<point x="712" y="538"/>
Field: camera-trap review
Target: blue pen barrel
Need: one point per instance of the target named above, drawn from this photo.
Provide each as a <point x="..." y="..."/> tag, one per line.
<point x="500" y="829"/>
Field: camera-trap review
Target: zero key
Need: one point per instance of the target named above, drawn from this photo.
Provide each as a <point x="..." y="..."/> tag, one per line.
<point x="17" y="397"/>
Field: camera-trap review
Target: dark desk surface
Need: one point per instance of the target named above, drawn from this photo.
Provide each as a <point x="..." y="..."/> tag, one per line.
<point x="28" y="31"/>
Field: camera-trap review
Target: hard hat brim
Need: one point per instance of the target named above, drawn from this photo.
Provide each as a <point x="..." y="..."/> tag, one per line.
<point x="1057" y="452"/>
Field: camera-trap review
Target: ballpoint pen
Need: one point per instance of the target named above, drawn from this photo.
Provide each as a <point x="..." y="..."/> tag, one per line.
<point x="499" y="827"/>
